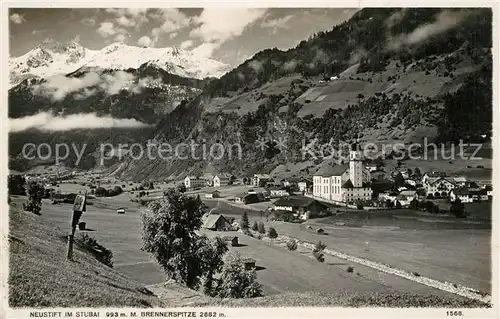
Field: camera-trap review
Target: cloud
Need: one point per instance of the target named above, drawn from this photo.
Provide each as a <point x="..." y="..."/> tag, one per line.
<point x="357" y="56"/>
<point x="88" y="21"/>
<point x="17" y="18"/>
<point x="172" y="21"/>
<point x="257" y="66"/>
<point x="46" y="121"/>
<point x="290" y="66"/>
<point x="212" y="31"/>
<point x="235" y="21"/>
<point x="186" y="44"/>
<point x="396" y="17"/>
<point x="277" y="23"/>
<point x="445" y="21"/>
<point x="145" y="41"/>
<point x="106" y="29"/>
<point x="58" y="87"/>
<point x="120" y="38"/>
<point x="129" y="17"/>
<point x="205" y="50"/>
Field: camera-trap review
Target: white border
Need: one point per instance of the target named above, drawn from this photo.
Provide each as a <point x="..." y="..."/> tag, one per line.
<point x="6" y="312"/>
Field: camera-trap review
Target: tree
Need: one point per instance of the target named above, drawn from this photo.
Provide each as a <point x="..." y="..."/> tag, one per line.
<point x="169" y="236"/>
<point x="414" y="204"/>
<point x="457" y="208"/>
<point x="255" y="226"/>
<point x="262" y="228"/>
<point x="389" y="203"/>
<point x="272" y="233"/>
<point x="181" y="188"/>
<point x="435" y="209"/>
<point x="399" y="180"/>
<point x="212" y="253"/>
<point x="429" y="206"/>
<point x="244" y="221"/>
<point x="398" y="205"/>
<point x="318" y="251"/>
<point x="117" y="190"/>
<point x="236" y="282"/>
<point x="100" y="191"/>
<point x="417" y="173"/>
<point x="35" y="195"/>
<point x="16" y="185"/>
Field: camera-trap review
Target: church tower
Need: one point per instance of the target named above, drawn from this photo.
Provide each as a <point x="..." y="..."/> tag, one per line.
<point x="356" y="165"/>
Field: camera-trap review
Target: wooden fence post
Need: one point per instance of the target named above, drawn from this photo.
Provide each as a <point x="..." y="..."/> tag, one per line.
<point x="78" y="208"/>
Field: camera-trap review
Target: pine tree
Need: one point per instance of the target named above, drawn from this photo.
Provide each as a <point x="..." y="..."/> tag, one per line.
<point x="255" y="227"/>
<point x="244" y="222"/>
<point x="272" y="233"/>
<point x="262" y="228"/>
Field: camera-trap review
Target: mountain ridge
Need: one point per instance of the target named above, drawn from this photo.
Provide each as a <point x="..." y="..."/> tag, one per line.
<point x="52" y="58"/>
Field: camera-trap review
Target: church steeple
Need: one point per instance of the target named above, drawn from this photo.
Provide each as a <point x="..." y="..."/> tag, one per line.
<point x="356" y="164"/>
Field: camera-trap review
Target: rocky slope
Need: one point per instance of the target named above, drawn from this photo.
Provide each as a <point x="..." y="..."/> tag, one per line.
<point x="386" y="75"/>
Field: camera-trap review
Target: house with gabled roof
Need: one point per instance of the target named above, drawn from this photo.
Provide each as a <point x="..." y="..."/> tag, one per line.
<point x="221" y="179"/>
<point x="438" y="186"/>
<point x="216" y="222"/>
<point x="346" y="183"/>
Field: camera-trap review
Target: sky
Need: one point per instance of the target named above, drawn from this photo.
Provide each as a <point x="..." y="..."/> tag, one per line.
<point x="229" y="35"/>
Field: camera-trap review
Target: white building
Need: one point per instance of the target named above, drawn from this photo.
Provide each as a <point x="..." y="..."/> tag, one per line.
<point x="260" y="178"/>
<point x="438" y="186"/>
<point x="221" y="179"/>
<point x="344" y="183"/>
<point x="304" y="185"/>
<point x="273" y="193"/>
<point x="194" y="182"/>
<point x="459" y="181"/>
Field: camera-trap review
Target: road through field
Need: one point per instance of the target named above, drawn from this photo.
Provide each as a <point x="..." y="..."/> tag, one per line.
<point x="461" y="256"/>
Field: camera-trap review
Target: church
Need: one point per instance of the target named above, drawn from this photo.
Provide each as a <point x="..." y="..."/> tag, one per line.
<point x="345" y="183"/>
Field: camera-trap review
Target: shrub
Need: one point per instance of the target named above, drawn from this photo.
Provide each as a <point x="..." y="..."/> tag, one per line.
<point x="272" y="233"/>
<point x="291" y="244"/>
<point x="318" y="251"/>
<point x="262" y="228"/>
<point x="91" y="245"/>
<point x="349" y="269"/>
<point x="259" y="236"/>
<point x="255" y="226"/>
<point x="236" y="281"/>
<point x="16" y="185"/>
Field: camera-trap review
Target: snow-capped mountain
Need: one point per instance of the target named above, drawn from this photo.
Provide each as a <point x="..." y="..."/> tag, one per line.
<point x="51" y="58"/>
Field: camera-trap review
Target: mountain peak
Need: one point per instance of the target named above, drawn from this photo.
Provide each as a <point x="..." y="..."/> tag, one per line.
<point x="51" y="58"/>
<point x="52" y="45"/>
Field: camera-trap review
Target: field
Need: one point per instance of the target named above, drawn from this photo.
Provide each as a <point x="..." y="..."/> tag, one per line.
<point x="400" y="240"/>
<point x="440" y="248"/>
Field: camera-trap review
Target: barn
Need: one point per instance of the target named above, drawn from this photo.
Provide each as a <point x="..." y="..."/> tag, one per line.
<point x="216" y="222"/>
